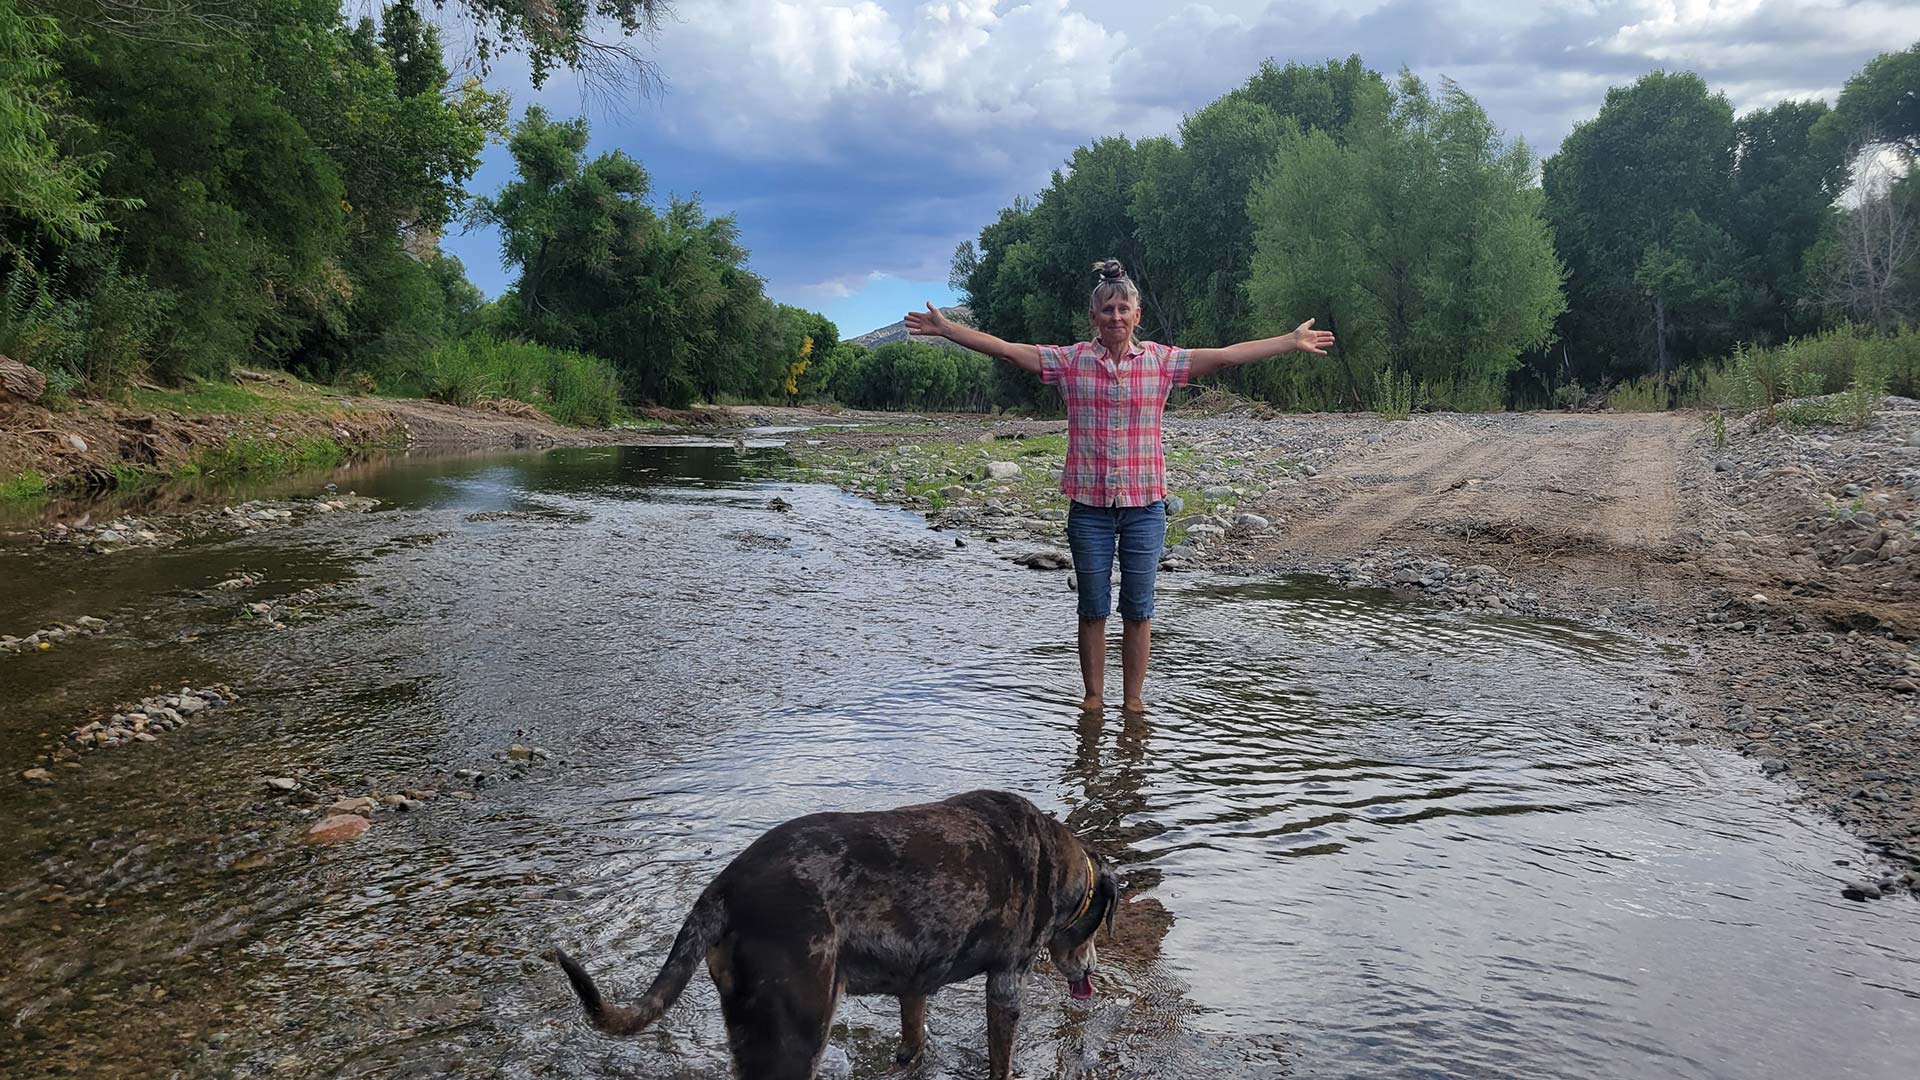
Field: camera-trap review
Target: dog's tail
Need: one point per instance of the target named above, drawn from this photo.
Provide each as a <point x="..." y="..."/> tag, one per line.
<point x="697" y="935"/>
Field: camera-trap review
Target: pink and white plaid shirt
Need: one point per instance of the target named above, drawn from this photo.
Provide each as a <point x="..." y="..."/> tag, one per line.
<point x="1113" y="418"/>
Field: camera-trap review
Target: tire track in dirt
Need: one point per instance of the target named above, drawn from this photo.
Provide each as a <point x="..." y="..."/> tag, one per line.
<point x="1563" y="502"/>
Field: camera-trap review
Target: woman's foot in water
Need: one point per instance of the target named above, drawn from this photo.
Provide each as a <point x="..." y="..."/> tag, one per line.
<point x="1133" y="706"/>
<point x="1092" y="703"/>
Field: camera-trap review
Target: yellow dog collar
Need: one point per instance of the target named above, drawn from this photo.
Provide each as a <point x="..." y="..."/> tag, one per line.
<point x="1087" y="901"/>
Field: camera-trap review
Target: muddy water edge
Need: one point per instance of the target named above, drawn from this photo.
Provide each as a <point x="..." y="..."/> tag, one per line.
<point x="1360" y="836"/>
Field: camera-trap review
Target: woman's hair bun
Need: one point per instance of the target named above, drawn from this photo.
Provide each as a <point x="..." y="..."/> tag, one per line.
<point x="1110" y="270"/>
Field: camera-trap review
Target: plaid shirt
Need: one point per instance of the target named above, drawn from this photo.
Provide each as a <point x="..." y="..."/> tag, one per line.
<point x="1113" y="418"/>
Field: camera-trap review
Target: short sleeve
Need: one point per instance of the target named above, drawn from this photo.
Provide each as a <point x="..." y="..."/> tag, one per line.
<point x="1053" y="363"/>
<point x="1178" y="364"/>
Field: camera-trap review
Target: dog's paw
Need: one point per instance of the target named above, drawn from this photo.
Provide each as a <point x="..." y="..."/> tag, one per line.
<point x="908" y="1059"/>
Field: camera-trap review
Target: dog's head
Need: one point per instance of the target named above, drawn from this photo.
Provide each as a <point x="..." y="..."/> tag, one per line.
<point x="1071" y="945"/>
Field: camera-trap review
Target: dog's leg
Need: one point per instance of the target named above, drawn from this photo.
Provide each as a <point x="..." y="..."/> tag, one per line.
<point x="1003" y="1017"/>
<point x="778" y="1000"/>
<point x="913" y="1030"/>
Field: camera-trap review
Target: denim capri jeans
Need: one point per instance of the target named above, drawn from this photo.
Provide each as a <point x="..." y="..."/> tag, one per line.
<point x="1138" y="533"/>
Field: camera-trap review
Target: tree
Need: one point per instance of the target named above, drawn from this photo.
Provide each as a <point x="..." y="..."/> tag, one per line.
<point x="1784" y="184"/>
<point x="1659" y="151"/>
<point x="1880" y="106"/>
<point x="1869" y="262"/>
<point x="665" y="294"/>
<point x="1419" y="242"/>
<point x="1191" y="202"/>
<point x="44" y="192"/>
<point x="593" y="37"/>
<point x="240" y="212"/>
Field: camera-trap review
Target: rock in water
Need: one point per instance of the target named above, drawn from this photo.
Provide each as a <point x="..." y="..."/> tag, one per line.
<point x="337" y="829"/>
<point x="1045" y="560"/>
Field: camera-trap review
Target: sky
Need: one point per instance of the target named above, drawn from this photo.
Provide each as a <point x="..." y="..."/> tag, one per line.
<point x="857" y="142"/>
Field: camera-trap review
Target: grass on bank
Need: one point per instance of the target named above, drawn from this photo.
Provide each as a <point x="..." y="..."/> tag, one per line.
<point x="277" y="394"/>
<point x="25" y="485"/>
<point x="572" y="388"/>
<point x="257" y="458"/>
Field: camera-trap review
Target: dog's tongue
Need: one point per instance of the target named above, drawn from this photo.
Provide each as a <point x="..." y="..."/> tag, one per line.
<point x="1081" y="988"/>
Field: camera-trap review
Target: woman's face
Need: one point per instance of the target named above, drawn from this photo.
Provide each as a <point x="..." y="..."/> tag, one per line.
<point x="1115" y="318"/>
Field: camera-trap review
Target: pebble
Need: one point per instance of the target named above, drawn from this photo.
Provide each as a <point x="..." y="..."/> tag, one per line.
<point x="283" y="783"/>
<point x="337" y="828"/>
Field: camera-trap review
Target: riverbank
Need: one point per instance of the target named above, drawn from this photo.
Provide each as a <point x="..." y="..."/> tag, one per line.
<point x="1777" y="568"/>
<point x="264" y="424"/>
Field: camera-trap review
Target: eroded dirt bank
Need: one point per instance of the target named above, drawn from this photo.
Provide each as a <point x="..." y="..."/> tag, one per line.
<point x="266" y="421"/>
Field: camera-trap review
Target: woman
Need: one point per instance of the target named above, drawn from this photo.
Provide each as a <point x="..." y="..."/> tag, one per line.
<point x="1115" y="389"/>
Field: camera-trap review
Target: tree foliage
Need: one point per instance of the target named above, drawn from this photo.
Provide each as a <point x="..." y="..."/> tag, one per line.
<point x="1881" y="105"/>
<point x="1419" y="242"/>
<point x="43" y="190"/>
<point x="665" y="293"/>
<point x="915" y="375"/>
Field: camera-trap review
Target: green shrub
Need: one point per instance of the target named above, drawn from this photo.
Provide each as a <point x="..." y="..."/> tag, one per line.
<point x="1760" y="378"/>
<point x="572" y="388"/>
<point x="1845" y="360"/>
<point x="1717" y="423"/>
<point x="1568" y="395"/>
<point x="1709" y="387"/>
<point x="87" y="324"/>
<point x="1645" y="394"/>
<point x="1393" y="394"/>
<point x="1864" y="393"/>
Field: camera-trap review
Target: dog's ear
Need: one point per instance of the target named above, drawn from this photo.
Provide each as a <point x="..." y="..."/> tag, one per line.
<point x="1107" y="896"/>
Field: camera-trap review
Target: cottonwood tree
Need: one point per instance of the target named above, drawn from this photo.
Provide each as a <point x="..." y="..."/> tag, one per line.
<point x="664" y="292"/>
<point x="1419" y="242"/>
<point x="1659" y="154"/>
<point x="1880" y="106"/>
<point x="1191" y="202"/>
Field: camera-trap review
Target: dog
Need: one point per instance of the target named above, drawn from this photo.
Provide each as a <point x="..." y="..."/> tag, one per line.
<point x="899" y="902"/>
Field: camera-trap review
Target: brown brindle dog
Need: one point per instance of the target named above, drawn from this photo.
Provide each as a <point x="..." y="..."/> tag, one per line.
<point x="897" y="902"/>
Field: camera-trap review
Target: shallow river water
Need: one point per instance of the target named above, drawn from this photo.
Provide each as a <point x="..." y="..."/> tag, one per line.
<point x="1361" y="837"/>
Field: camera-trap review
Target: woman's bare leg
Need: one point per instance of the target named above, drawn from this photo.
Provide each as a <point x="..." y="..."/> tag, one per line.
<point x="1093" y="661"/>
<point x="1136" y="645"/>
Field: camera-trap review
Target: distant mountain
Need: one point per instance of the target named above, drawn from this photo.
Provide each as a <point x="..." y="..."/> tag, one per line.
<point x="887" y="335"/>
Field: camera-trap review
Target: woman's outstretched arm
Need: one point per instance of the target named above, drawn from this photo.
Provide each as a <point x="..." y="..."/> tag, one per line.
<point x="931" y="323"/>
<point x="1303" y="339"/>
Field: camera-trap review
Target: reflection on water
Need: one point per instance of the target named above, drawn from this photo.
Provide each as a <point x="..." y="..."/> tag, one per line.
<point x="1359" y="838"/>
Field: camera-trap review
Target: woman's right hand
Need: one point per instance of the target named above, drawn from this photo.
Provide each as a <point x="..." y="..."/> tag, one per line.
<point x="928" y="323"/>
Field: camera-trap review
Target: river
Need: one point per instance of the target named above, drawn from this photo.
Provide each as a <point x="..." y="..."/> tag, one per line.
<point x="1360" y="836"/>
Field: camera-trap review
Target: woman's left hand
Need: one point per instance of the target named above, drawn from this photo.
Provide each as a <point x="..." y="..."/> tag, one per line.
<point x="1307" y="339"/>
